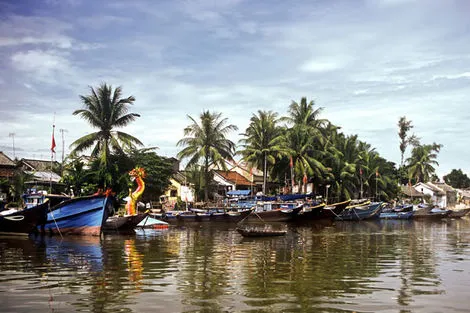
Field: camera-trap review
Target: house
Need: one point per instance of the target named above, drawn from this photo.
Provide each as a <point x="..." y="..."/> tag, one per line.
<point x="253" y="178"/>
<point x="42" y="173"/>
<point x="231" y="180"/>
<point x="178" y="189"/>
<point x="438" y="196"/>
<point x="451" y="193"/>
<point x="7" y="171"/>
<point x="411" y="193"/>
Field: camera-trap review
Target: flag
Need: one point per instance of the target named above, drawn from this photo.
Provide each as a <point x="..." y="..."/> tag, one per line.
<point x="377" y="173"/>
<point x="304" y="179"/>
<point x="53" y="145"/>
<point x="291" y="163"/>
<point x="360" y="171"/>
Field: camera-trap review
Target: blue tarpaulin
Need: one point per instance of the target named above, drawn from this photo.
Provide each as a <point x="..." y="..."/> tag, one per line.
<point x="238" y="193"/>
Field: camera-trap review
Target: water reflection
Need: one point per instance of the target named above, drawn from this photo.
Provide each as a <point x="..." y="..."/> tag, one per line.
<point x="388" y="266"/>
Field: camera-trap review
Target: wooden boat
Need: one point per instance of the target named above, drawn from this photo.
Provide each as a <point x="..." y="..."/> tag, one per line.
<point x="458" y="213"/>
<point x="123" y="223"/>
<point x="78" y="216"/>
<point x="430" y="213"/>
<point x="260" y="232"/>
<point x="282" y="212"/>
<point x="321" y="211"/>
<point x="358" y="213"/>
<point x="24" y="221"/>
<point x="406" y="215"/>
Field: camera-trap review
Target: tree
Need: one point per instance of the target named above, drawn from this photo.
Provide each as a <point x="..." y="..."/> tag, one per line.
<point x="422" y="161"/>
<point x="205" y="143"/>
<point x="457" y="179"/>
<point x="105" y="110"/>
<point x="404" y="127"/>
<point x="75" y="175"/>
<point x="263" y="142"/>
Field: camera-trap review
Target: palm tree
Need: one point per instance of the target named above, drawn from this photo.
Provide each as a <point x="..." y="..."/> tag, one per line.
<point x="422" y="161"/>
<point x="263" y="142"/>
<point x="206" y="143"/>
<point x="105" y="110"/>
<point x="404" y="127"/>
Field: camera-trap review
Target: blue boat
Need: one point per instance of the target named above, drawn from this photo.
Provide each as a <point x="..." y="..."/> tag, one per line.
<point x="358" y="213"/>
<point x="394" y="215"/>
<point x="78" y="216"/>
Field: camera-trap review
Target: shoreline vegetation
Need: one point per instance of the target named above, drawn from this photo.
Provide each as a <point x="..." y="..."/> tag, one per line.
<point x="290" y="151"/>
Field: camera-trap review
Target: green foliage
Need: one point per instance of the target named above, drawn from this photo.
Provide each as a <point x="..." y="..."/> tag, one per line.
<point x="105" y="110"/>
<point x="422" y="161"/>
<point x="205" y="144"/>
<point x="457" y="179"/>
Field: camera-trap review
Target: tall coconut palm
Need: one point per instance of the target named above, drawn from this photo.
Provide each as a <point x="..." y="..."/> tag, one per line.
<point x="262" y="144"/>
<point x="206" y="143"/>
<point x="105" y="110"/>
<point x="404" y="126"/>
<point x="422" y="161"/>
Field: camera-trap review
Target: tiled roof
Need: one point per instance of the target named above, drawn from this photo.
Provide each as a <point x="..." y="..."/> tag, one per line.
<point x="38" y="165"/>
<point x="444" y="187"/>
<point x="5" y="160"/>
<point x="411" y="191"/>
<point x="234" y="177"/>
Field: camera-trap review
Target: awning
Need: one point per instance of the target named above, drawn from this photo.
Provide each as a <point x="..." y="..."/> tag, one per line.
<point x="238" y="193"/>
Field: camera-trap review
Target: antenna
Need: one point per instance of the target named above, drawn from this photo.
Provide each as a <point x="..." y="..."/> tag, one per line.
<point x="62" y="131"/>
<point x="12" y="135"/>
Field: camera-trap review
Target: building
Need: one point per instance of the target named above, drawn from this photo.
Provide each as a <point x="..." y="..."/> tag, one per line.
<point x="7" y="171"/>
<point x="438" y="196"/>
<point x="43" y="174"/>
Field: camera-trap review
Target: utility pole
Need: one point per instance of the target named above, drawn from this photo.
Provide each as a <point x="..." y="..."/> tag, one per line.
<point x="12" y="135"/>
<point x="62" y="131"/>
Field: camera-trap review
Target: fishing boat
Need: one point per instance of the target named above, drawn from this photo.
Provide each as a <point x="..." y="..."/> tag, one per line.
<point x="357" y="213"/>
<point x="458" y="213"/>
<point x="397" y="215"/>
<point x="78" y="216"/>
<point x="123" y="223"/>
<point x="150" y="222"/>
<point x="275" y="212"/>
<point x="424" y="212"/>
<point x="330" y="211"/>
<point x="23" y="221"/>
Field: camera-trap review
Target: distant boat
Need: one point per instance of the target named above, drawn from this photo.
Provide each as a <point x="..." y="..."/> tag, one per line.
<point x="78" y="216"/>
<point x="275" y="212"/>
<point x="406" y="215"/>
<point x="23" y="221"/>
<point x="357" y="213"/>
<point x="430" y="213"/>
<point x="458" y="213"/>
<point x="123" y="223"/>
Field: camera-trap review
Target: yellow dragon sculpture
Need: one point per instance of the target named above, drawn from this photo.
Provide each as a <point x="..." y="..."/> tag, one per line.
<point x="138" y="174"/>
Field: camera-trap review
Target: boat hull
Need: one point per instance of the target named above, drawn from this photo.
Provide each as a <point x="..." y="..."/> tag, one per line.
<point x="78" y="216"/>
<point x="396" y="215"/>
<point x="361" y="213"/>
<point x="274" y="215"/>
<point x="25" y="221"/>
<point x="123" y="223"/>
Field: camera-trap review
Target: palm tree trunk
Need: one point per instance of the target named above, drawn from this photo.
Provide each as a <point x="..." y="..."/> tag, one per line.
<point x="264" y="174"/>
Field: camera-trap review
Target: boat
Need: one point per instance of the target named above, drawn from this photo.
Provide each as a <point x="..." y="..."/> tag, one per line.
<point x="330" y="211"/>
<point x="424" y="212"/>
<point x="123" y="223"/>
<point x="458" y="213"/>
<point x="260" y="232"/>
<point x="129" y="221"/>
<point x="78" y="216"/>
<point x="397" y="215"/>
<point x="357" y="213"/>
<point x="23" y="221"/>
<point x="275" y="212"/>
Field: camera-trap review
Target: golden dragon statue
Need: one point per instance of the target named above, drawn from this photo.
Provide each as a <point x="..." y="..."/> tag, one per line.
<point x="138" y="174"/>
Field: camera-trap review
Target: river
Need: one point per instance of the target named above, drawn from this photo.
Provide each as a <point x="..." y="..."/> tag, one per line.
<point x="369" y="266"/>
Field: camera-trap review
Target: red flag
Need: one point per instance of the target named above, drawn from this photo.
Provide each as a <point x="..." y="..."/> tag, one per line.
<point x="360" y="171"/>
<point x="305" y="178"/>
<point x="291" y="163"/>
<point x="377" y="173"/>
<point x="53" y="140"/>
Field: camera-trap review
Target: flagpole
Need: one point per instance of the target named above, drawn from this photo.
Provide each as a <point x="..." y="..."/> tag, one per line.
<point x="53" y="145"/>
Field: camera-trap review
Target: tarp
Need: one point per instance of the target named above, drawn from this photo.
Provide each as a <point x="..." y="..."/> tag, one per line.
<point x="238" y="193"/>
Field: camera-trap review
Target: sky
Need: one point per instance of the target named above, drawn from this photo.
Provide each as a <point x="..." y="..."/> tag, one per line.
<point x="365" y="62"/>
